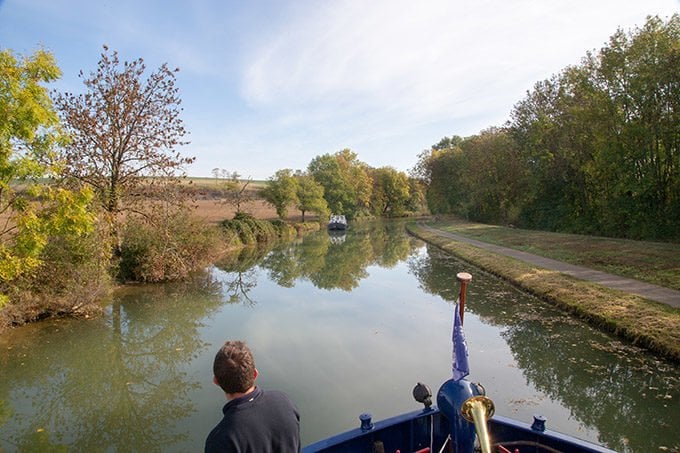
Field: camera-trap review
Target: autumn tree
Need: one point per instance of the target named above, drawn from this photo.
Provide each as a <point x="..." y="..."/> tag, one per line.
<point x="390" y="194"/>
<point x="124" y="130"/>
<point x="345" y="179"/>
<point x="31" y="213"/>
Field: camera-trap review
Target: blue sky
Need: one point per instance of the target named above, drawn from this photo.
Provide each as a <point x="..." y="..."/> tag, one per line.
<point x="271" y="84"/>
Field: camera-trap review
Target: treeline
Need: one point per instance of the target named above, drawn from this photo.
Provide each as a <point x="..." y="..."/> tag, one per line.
<point x="593" y="150"/>
<point x="92" y="190"/>
<point x="340" y="183"/>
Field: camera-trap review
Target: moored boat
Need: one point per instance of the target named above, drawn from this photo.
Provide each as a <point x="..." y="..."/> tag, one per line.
<point x="337" y="222"/>
<point x="462" y="421"/>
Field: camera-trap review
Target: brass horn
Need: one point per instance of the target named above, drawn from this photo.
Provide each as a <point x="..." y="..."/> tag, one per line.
<point x="478" y="410"/>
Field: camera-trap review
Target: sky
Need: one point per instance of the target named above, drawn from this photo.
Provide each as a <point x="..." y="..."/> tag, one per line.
<point x="271" y="84"/>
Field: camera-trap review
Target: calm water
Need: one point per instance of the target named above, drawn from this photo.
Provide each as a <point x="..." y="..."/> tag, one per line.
<point x="344" y="325"/>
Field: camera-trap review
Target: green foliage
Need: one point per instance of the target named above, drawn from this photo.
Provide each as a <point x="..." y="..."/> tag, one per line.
<point x="310" y="197"/>
<point x="493" y="186"/>
<point x="250" y="230"/>
<point x="283" y="229"/>
<point x="601" y="139"/>
<point x="391" y="192"/>
<point x="594" y="149"/>
<point x="281" y="192"/>
<point x="441" y="171"/>
<point x="345" y="180"/>
<point x="73" y="273"/>
<point x="416" y="200"/>
<point x="166" y="247"/>
<point x="33" y="215"/>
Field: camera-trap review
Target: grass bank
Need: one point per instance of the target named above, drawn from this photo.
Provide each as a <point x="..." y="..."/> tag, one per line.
<point x="646" y="323"/>
<point x="657" y="263"/>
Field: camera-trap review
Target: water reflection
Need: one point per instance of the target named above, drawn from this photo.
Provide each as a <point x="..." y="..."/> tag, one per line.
<point x="629" y="395"/>
<point x="343" y="326"/>
<point x="339" y="261"/>
<point x="120" y="383"/>
<point x="632" y="400"/>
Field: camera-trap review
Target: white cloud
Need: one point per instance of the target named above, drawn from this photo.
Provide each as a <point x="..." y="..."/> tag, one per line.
<point x="424" y="58"/>
<point x="269" y="84"/>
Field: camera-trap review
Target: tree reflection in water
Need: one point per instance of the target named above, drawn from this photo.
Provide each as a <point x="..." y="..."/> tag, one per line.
<point x="330" y="263"/>
<point x="327" y="260"/>
<point x="628" y="394"/>
<point x="124" y="382"/>
<point x="121" y="383"/>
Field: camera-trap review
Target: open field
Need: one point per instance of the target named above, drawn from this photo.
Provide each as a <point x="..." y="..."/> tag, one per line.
<point x="210" y="204"/>
<point x="214" y="211"/>
<point x="219" y="183"/>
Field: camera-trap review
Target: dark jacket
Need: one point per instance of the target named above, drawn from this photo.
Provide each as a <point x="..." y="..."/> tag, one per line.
<point x="259" y="422"/>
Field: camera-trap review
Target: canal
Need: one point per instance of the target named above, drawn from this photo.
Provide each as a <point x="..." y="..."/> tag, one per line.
<point x="344" y="324"/>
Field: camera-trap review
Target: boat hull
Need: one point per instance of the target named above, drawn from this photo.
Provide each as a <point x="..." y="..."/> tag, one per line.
<point x="337" y="226"/>
<point x="337" y="223"/>
<point x="420" y="430"/>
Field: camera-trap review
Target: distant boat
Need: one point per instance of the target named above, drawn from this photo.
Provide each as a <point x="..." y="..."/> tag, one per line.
<point x="337" y="222"/>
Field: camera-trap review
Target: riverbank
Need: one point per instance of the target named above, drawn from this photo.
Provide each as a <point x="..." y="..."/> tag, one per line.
<point x="224" y="239"/>
<point x="653" y="325"/>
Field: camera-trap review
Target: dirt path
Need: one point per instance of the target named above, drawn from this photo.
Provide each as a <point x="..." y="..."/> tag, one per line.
<point x="646" y="290"/>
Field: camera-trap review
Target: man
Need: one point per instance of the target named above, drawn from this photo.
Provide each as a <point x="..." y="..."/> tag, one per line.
<point x="255" y="420"/>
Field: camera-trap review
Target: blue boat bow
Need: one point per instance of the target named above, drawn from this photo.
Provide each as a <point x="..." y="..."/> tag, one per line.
<point x="463" y="420"/>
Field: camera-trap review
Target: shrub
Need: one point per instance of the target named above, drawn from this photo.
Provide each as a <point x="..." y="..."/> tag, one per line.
<point x="164" y="248"/>
<point x="250" y="230"/>
<point x="283" y="229"/>
<point x="72" y="278"/>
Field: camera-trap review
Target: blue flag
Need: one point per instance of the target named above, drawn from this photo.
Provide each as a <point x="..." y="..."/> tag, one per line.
<point x="460" y="365"/>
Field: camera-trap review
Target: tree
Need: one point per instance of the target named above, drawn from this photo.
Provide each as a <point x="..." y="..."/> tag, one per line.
<point x="494" y="177"/>
<point x="390" y="192"/>
<point x="441" y="172"/>
<point x="30" y="211"/>
<point x="124" y="131"/>
<point x="448" y="143"/>
<point x="347" y="186"/>
<point x="600" y="140"/>
<point x="237" y="190"/>
<point x="281" y="191"/>
<point x="638" y="71"/>
<point x="310" y="197"/>
<point x="416" y="200"/>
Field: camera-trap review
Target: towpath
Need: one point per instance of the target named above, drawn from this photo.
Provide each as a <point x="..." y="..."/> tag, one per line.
<point x="646" y="290"/>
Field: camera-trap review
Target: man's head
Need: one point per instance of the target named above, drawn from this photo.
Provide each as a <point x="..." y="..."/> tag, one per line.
<point x="234" y="367"/>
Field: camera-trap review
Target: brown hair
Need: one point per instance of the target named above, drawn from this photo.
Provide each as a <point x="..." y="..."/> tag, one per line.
<point x="234" y="367"/>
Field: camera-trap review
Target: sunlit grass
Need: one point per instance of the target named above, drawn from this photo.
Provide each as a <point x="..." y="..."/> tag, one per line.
<point x="652" y="262"/>
<point x="644" y="322"/>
